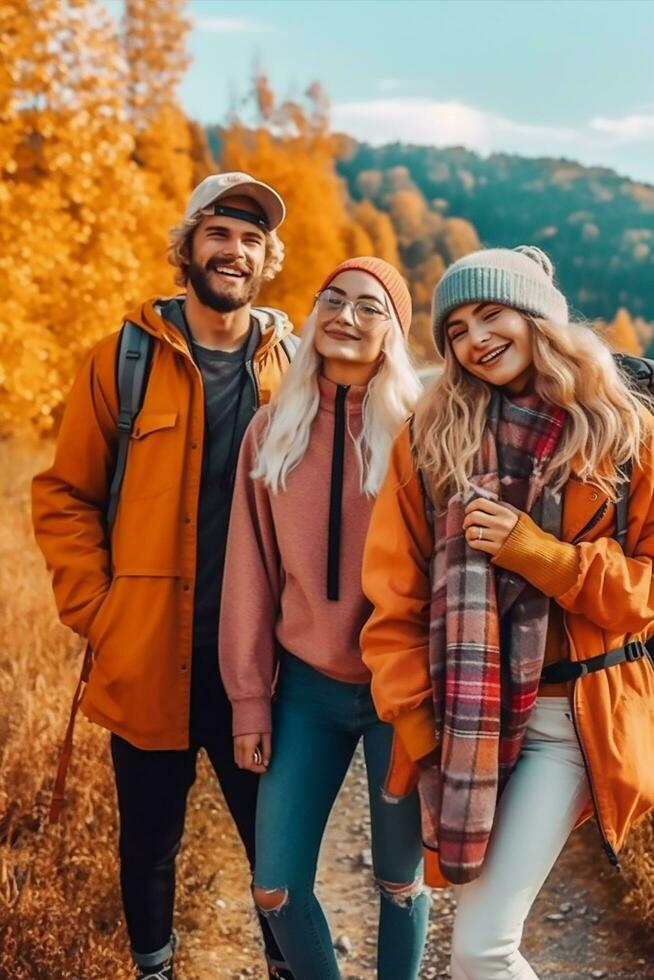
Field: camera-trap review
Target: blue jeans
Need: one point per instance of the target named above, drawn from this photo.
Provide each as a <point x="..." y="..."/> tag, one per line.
<point x="317" y="724"/>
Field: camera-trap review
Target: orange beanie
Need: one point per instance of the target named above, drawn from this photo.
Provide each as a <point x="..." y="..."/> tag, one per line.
<point x="390" y="279"/>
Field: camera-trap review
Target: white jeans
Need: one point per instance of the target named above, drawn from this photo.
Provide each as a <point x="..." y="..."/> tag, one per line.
<point x="541" y="804"/>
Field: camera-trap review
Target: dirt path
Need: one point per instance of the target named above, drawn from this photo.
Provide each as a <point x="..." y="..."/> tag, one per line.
<point x="580" y="926"/>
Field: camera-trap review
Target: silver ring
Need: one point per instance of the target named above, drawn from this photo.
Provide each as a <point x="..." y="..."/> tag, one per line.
<point x="480" y="536"/>
<point x="256" y="757"/>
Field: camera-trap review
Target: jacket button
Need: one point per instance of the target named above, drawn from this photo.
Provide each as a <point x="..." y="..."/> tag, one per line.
<point x="194" y="445"/>
<point x="186" y="587"/>
<point x="187" y="519"/>
<point x="183" y="666"/>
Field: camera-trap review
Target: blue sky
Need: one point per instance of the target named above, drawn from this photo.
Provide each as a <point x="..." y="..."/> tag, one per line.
<point x="567" y="78"/>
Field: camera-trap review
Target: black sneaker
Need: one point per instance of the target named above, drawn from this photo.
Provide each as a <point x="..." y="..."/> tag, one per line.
<point x="162" y="972"/>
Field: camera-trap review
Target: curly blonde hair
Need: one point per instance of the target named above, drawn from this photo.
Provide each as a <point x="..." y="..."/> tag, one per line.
<point x="179" y="248"/>
<point x="576" y="371"/>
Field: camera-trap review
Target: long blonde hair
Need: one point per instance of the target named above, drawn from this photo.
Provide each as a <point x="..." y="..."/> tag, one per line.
<point x="389" y="400"/>
<point x="576" y="371"/>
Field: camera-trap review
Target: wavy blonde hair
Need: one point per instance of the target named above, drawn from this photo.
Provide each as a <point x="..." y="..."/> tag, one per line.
<point x="576" y="371"/>
<point x="388" y="402"/>
<point x="181" y="238"/>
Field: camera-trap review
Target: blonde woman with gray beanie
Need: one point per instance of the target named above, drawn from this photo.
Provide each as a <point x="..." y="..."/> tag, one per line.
<point x="506" y="644"/>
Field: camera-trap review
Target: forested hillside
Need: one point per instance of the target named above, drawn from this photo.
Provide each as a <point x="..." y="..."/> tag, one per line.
<point x="597" y="226"/>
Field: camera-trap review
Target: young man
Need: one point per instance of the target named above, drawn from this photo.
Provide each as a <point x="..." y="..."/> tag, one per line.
<point x="146" y="594"/>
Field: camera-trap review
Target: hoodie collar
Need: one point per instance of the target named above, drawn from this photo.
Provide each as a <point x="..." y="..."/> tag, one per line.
<point x="273" y="325"/>
<point x="173" y="312"/>
<point x="328" y="391"/>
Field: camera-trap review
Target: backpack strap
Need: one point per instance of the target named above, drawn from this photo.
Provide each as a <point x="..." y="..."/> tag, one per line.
<point x="429" y="507"/>
<point x="134" y="355"/>
<point x="622" y="505"/>
<point x="569" y="670"/>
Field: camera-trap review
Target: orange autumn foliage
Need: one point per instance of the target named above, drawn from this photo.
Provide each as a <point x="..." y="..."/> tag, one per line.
<point x="621" y="333"/>
<point x="83" y="217"/>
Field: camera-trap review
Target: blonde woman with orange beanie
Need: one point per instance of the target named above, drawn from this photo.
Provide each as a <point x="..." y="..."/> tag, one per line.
<point x="506" y="642"/>
<point x="310" y="467"/>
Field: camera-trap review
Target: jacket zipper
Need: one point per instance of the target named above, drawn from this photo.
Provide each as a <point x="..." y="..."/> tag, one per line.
<point x="593" y="522"/>
<point x="606" y="846"/>
<point x="336" y="496"/>
<point x="249" y="367"/>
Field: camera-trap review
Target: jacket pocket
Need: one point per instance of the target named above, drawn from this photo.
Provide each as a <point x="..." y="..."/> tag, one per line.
<point x="149" y="421"/>
<point x="154" y="456"/>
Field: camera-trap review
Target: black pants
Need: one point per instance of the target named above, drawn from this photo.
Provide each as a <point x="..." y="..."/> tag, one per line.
<point x="152" y="791"/>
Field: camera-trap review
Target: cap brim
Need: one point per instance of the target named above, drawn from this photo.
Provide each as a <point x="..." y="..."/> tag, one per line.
<point x="268" y="200"/>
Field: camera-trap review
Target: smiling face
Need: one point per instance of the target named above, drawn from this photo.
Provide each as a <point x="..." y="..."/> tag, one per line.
<point x="227" y="259"/>
<point x="339" y="338"/>
<point x="492" y="342"/>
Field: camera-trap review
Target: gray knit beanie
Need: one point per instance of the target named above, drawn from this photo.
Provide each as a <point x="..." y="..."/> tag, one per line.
<point x="521" y="277"/>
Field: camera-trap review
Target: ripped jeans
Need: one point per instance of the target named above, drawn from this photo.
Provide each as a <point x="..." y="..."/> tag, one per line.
<point x="317" y="724"/>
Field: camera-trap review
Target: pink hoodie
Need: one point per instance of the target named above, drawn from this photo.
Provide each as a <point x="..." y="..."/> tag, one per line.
<point x="279" y="548"/>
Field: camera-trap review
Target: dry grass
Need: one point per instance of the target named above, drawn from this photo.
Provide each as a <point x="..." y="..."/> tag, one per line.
<point x="639" y="869"/>
<point x="60" y="915"/>
<point x="60" y="912"/>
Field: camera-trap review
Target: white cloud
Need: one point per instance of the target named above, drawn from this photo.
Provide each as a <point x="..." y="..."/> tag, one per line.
<point x="230" y="25"/>
<point x="422" y="120"/>
<point x="630" y="129"/>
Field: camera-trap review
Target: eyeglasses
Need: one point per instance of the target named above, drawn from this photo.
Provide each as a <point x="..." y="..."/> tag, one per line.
<point x="366" y="313"/>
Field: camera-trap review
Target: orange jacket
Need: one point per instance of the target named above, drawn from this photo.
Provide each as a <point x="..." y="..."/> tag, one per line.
<point x="610" y="601"/>
<point x="133" y="601"/>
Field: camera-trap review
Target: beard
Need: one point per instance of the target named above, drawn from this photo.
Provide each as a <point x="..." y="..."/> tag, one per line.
<point x="234" y="298"/>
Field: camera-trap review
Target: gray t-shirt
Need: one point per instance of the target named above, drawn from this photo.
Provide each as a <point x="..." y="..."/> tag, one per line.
<point x="230" y="401"/>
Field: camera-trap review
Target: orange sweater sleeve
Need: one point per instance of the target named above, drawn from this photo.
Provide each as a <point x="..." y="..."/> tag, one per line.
<point x="539" y="557"/>
<point x="611" y="588"/>
<point x="395" y="640"/>
<point x="251" y="592"/>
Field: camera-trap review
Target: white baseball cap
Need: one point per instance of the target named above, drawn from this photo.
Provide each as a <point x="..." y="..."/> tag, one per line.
<point x="215" y="186"/>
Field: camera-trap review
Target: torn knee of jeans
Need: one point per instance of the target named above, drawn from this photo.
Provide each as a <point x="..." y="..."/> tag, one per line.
<point x="270" y="901"/>
<point x="403" y="895"/>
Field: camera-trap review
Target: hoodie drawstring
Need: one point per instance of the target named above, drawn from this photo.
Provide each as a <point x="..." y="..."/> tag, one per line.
<point x="336" y="496"/>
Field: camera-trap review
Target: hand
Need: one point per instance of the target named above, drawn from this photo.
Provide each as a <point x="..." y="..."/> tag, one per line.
<point x="246" y="748"/>
<point x="495" y="520"/>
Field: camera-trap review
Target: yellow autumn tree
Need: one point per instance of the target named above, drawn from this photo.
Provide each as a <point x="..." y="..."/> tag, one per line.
<point x="168" y="148"/>
<point x="67" y="204"/>
<point x="621" y="334"/>
<point x="409" y="213"/>
<point x="380" y="231"/>
<point x="83" y="216"/>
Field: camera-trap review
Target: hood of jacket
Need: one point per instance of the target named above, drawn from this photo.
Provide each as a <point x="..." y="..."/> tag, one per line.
<point x="273" y="324"/>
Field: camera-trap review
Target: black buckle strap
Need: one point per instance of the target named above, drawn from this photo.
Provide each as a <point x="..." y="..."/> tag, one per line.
<point x="570" y="670"/>
<point x="229" y="212"/>
<point x="125" y="421"/>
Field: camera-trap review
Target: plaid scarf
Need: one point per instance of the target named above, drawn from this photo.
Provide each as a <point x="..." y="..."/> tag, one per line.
<point x="487" y="638"/>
